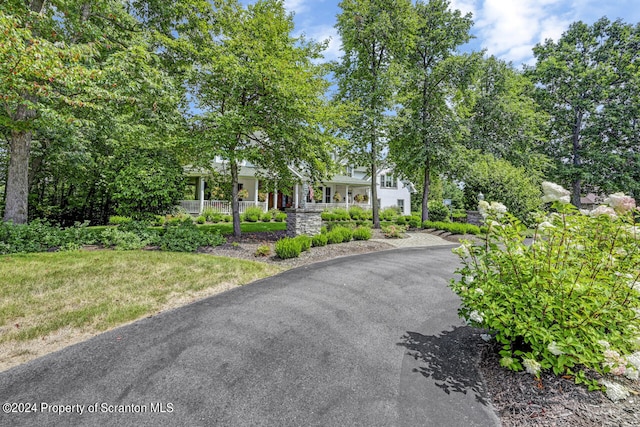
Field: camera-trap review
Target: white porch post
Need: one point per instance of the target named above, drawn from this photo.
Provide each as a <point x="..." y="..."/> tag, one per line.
<point x="295" y="197"/>
<point x="346" y="196"/>
<point x="275" y="196"/>
<point x="255" y="194"/>
<point x="369" y="197"/>
<point x="201" y="193"/>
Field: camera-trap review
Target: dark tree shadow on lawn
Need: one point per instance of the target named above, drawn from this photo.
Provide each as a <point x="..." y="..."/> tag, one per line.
<point x="450" y="358"/>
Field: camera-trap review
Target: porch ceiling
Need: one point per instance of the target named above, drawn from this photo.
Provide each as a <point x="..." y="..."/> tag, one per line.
<point x="347" y="180"/>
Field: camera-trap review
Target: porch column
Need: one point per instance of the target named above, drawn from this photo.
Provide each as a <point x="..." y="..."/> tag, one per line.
<point x="201" y="193"/>
<point x="255" y="195"/>
<point x="346" y="196"/>
<point x="369" y="197"/>
<point x="295" y="197"/>
<point x="275" y="196"/>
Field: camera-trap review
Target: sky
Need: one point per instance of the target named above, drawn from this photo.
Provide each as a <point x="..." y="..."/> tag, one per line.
<point x="508" y="29"/>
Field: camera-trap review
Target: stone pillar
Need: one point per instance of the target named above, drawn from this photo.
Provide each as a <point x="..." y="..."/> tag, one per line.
<point x="303" y="221"/>
<point x="474" y="217"/>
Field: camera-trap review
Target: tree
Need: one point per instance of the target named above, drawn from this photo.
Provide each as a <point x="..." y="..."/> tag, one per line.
<point x="52" y="56"/>
<point x="426" y="123"/>
<point x="588" y="83"/>
<point x="375" y="35"/>
<point x="503" y="117"/>
<point x="260" y="93"/>
<point x="499" y="181"/>
<point x="78" y="83"/>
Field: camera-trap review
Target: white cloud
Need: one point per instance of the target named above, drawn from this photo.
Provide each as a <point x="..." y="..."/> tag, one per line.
<point x="321" y="33"/>
<point x="465" y="6"/>
<point x="510" y="30"/>
<point x="295" y="6"/>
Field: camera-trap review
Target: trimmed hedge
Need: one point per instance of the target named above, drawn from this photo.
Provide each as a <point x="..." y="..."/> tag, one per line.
<point x="289" y="247"/>
<point x="455" y="227"/>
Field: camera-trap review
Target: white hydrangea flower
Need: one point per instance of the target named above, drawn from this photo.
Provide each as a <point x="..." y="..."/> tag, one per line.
<point x="469" y="279"/>
<point x="632" y="374"/>
<point x="545" y="225"/>
<point x="554" y="349"/>
<point x="621" y="202"/>
<point x="531" y="366"/>
<point x="634" y="360"/>
<point x="475" y="316"/>
<point x="603" y="210"/>
<point x="479" y="291"/>
<point x="554" y="192"/>
<point x="604" y="343"/>
<point x="483" y="208"/>
<point x="615" y="391"/>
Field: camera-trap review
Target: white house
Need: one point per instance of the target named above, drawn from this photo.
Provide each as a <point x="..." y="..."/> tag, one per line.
<point x="349" y="189"/>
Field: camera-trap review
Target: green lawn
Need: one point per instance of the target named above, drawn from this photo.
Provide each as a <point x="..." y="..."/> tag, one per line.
<point x="92" y="291"/>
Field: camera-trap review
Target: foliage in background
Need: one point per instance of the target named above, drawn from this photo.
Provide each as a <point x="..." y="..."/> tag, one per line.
<point x="375" y="35"/>
<point x="588" y="81"/>
<point x="426" y="125"/>
<point x="497" y="179"/>
<point x="567" y="301"/>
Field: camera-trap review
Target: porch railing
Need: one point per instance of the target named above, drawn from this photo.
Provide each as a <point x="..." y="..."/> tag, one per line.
<point x="222" y="206"/>
<point x="342" y="205"/>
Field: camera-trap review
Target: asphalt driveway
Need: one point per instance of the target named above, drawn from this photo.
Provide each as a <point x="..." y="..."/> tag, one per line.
<point x="370" y="340"/>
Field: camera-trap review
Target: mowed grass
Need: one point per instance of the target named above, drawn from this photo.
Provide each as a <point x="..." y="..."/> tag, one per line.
<point x="94" y="291"/>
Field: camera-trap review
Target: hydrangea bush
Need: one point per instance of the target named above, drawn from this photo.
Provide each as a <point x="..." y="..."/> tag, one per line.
<point x="567" y="300"/>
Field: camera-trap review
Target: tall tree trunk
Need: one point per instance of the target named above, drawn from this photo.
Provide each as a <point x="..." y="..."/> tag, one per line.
<point x="235" y="206"/>
<point x="17" y="199"/>
<point x="425" y="191"/>
<point x="374" y="188"/>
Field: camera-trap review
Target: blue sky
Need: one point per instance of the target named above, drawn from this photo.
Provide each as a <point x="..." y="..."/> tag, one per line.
<point x="508" y="29"/>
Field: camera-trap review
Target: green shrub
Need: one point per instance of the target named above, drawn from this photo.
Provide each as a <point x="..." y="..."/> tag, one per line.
<point x="323" y="229"/>
<point x="362" y="233"/>
<point x="394" y="231"/>
<point x="263" y="251"/>
<point x="340" y="214"/>
<point x="305" y="242"/>
<point x="339" y="234"/>
<point x="266" y="217"/>
<point x="414" y="222"/>
<point x="288" y="248"/>
<point x="187" y="237"/>
<point x="201" y="219"/>
<point x="401" y="220"/>
<point x="119" y="219"/>
<point x="252" y="214"/>
<point x="39" y="236"/>
<point x="121" y="240"/>
<point x="454" y="227"/>
<point x="327" y="216"/>
<point x="319" y="240"/>
<point x="569" y="300"/>
<point x="227" y="218"/>
<point x="438" y="211"/>
<point x="357" y="213"/>
<point x="389" y="213"/>
<point x="158" y="221"/>
<point x="280" y="217"/>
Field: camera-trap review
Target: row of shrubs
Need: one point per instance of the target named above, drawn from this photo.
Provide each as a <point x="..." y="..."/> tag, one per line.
<point x="455" y="227"/>
<point x="251" y="214"/>
<point x="292" y="247"/>
<point x="40" y="236"/>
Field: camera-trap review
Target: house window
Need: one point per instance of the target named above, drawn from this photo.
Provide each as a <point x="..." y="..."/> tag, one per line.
<point x="400" y="205"/>
<point x="349" y="170"/>
<point x="327" y="194"/>
<point x="388" y="181"/>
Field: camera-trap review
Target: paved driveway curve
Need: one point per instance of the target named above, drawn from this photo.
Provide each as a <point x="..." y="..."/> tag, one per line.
<point x="369" y="340"/>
